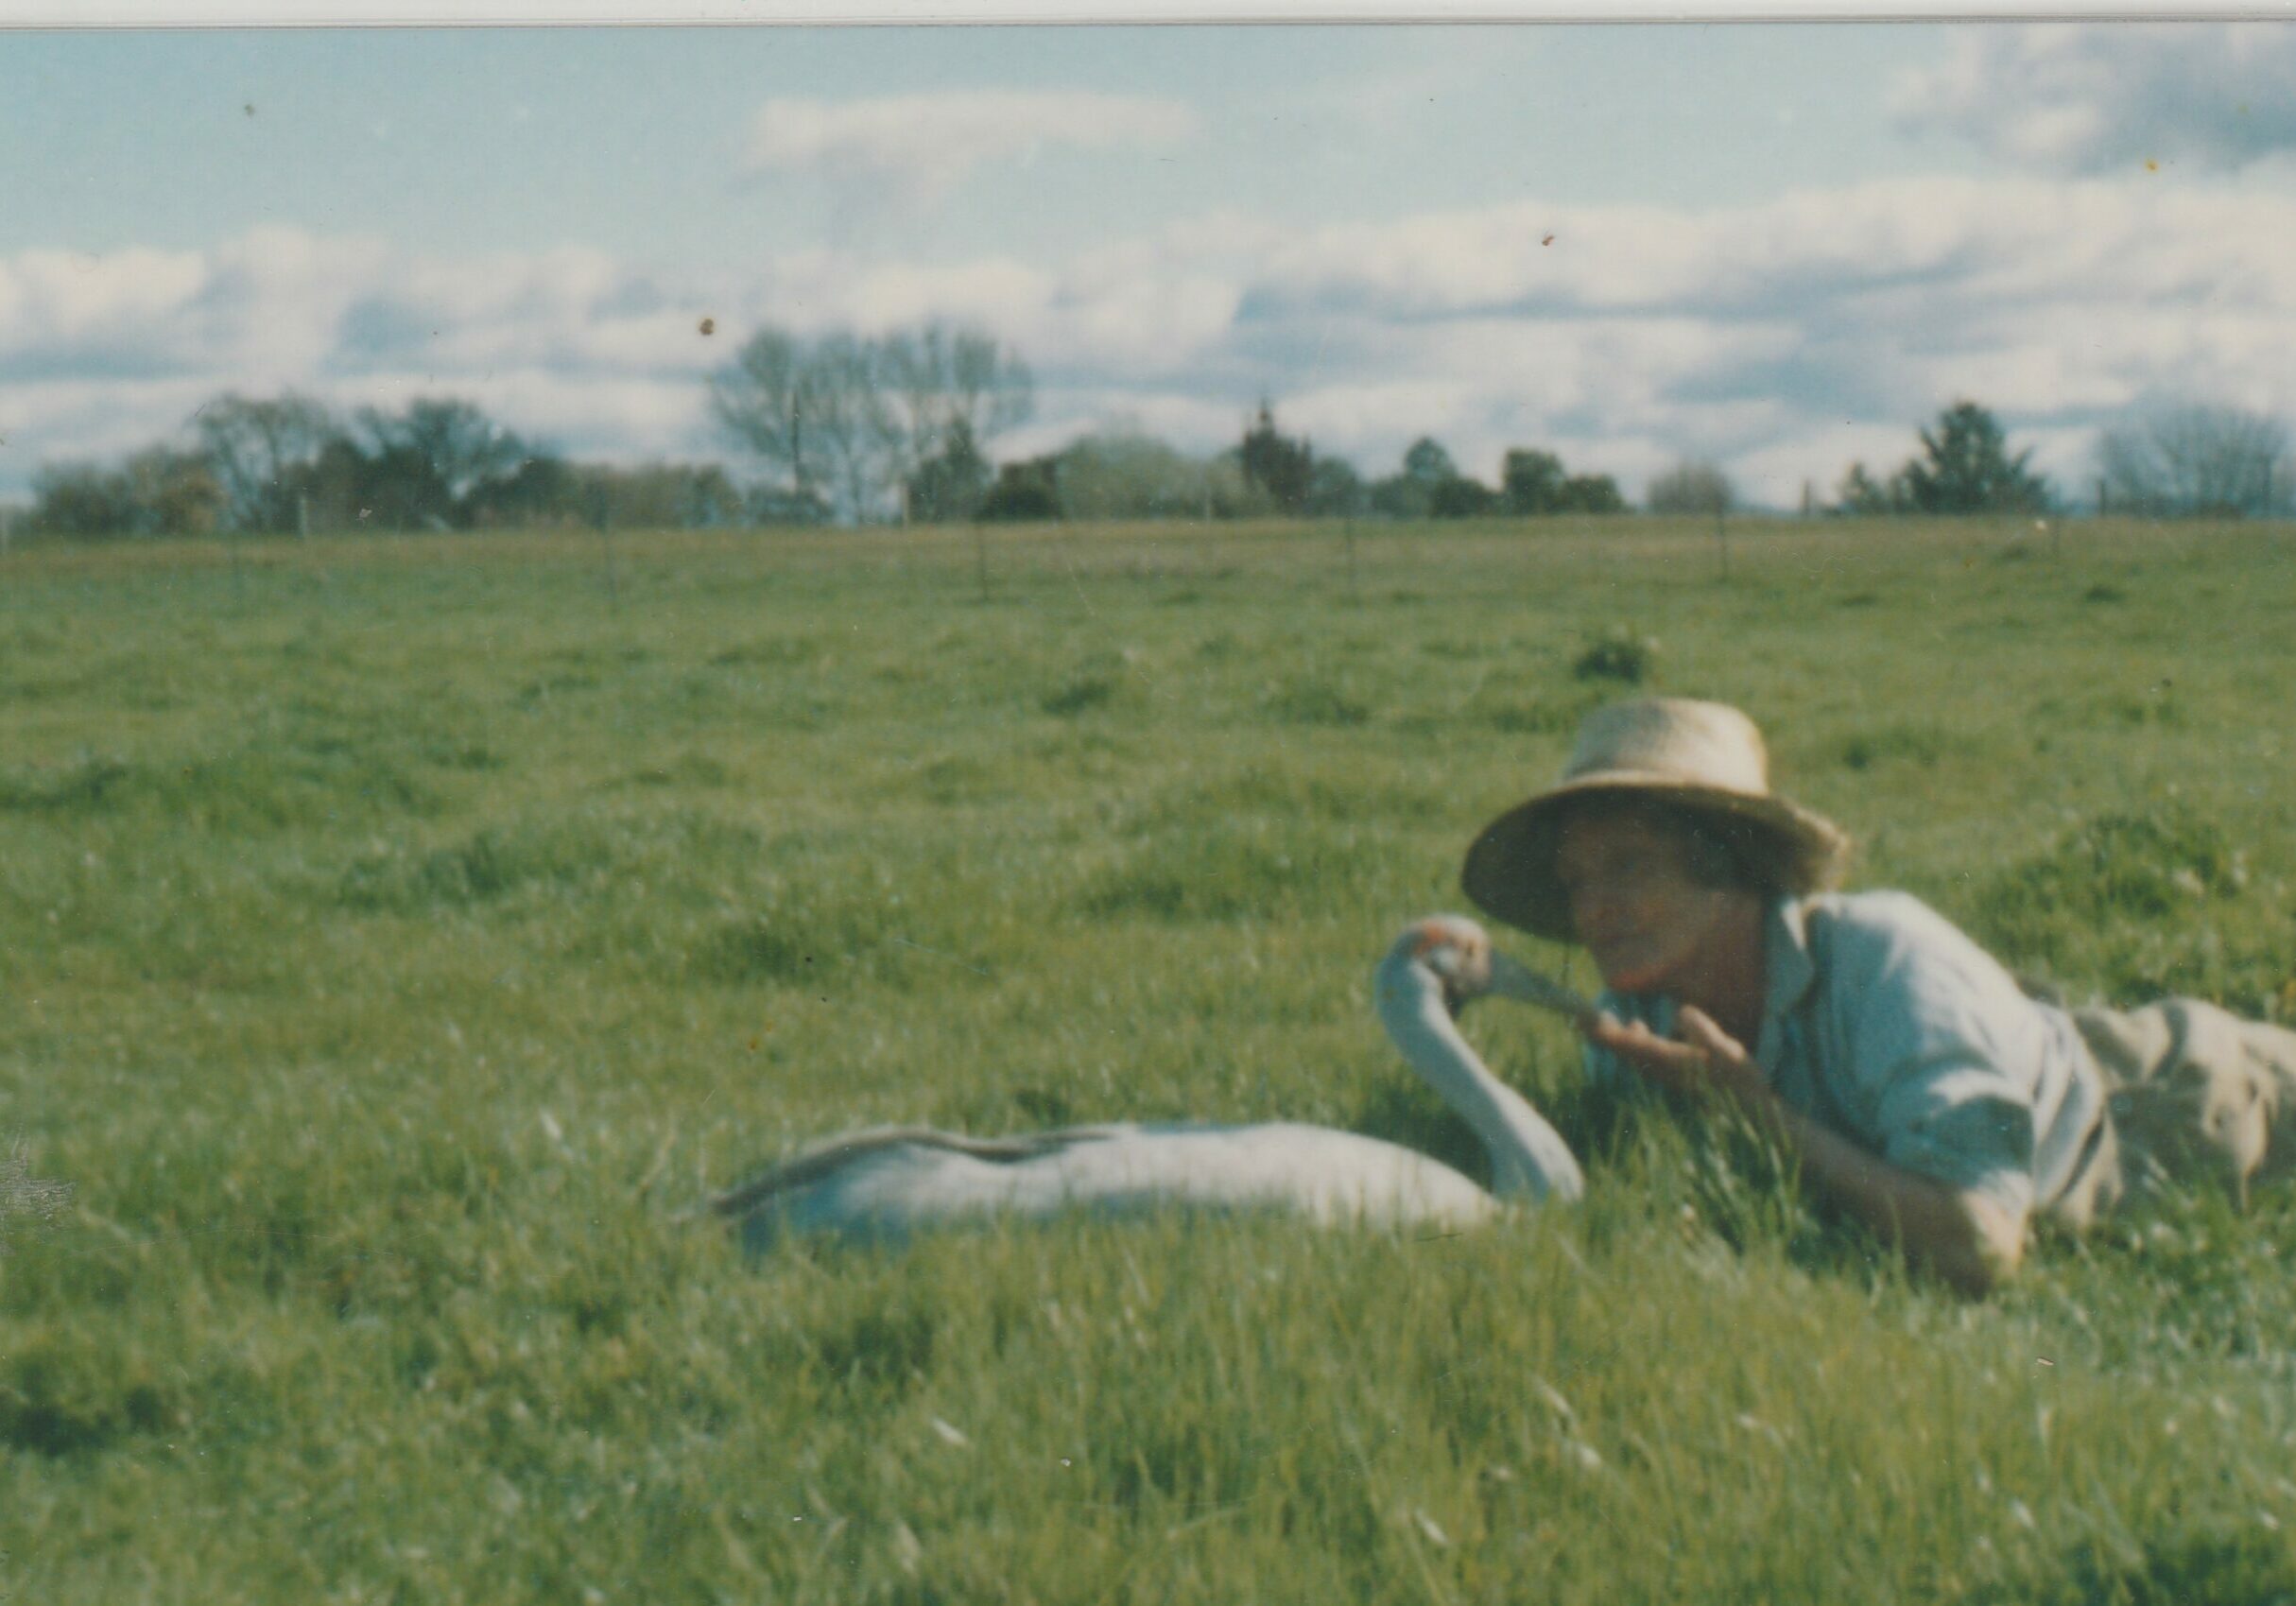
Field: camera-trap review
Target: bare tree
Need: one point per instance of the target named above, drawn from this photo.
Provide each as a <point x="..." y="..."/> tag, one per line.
<point x="915" y="369"/>
<point x="254" y="448"/>
<point x="853" y="418"/>
<point x="849" y="422"/>
<point x="765" y="399"/>
<point x="2197" y="461"/>
<point x="937" y="379"/>
<point x="815" y="412"/>
<point x="991" y="388"/>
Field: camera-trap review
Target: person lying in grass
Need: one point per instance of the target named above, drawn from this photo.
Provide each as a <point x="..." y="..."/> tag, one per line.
<point x="1899" y="1067"/>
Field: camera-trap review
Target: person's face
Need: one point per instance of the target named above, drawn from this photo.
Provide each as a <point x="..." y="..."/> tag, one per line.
<point x="1634" y="902"/>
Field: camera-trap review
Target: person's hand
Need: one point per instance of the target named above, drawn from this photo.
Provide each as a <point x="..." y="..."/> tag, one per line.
<point x="1698" y="1060"/>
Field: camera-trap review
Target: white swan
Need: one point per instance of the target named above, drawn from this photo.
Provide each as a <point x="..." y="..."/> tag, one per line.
<point x="885" y="1180"/>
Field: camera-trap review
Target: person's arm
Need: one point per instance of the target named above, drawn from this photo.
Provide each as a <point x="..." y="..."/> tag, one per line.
<point x="1968" y="1240"/>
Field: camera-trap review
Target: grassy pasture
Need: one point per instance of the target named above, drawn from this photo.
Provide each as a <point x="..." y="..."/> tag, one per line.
<point x="395" y="936"/>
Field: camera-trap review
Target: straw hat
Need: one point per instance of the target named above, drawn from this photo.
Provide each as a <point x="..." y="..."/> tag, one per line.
<point x="1703" y="757"/>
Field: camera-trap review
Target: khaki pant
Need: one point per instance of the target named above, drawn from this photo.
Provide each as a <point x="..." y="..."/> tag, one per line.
<point x="2192" y="1092"/>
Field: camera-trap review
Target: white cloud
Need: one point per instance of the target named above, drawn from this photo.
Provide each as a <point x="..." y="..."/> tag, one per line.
<point x="923" y="146"/>
<point x="70" y="295"/>
<point x="2092" y="99"/>
<point x="103" y="354"/>
<point x="1780" y="339"/>
<point x="88" y="419"/>
<point x="266" y="303"/>
<point x="1736" y="331"/>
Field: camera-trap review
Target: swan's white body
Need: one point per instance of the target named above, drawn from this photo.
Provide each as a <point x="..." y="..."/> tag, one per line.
<point x="886" y="1182"/>
<point x="895" y="1180"/>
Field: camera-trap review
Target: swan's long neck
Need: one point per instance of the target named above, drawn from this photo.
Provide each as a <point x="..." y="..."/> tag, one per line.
<point x="1527" y="1156"/>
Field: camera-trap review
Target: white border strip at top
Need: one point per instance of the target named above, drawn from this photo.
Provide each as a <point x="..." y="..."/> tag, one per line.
<point x="544" y="13"/>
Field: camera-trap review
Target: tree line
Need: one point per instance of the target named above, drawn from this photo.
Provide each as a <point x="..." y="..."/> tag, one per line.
<point x="2176" y="460"/>
<point x="285" y="465"/>
<point x="866" y="430"/>
<point x="898" y="428"/>
<point x="1266" y="473"/>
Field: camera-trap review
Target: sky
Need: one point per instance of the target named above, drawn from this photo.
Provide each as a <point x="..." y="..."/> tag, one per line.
<point x="1778" y="248"/>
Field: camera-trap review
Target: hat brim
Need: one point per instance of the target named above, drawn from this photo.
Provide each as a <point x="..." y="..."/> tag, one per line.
<point x="1510" y="873"/>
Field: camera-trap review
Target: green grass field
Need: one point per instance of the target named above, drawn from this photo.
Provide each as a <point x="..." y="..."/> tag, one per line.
<point x="397" y="937"/>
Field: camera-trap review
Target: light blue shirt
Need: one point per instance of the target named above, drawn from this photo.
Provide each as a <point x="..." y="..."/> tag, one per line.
<point x="1885" y="1024"/>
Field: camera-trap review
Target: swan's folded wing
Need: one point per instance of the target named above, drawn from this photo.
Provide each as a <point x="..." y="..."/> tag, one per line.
<point x="820" y="1160"/>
